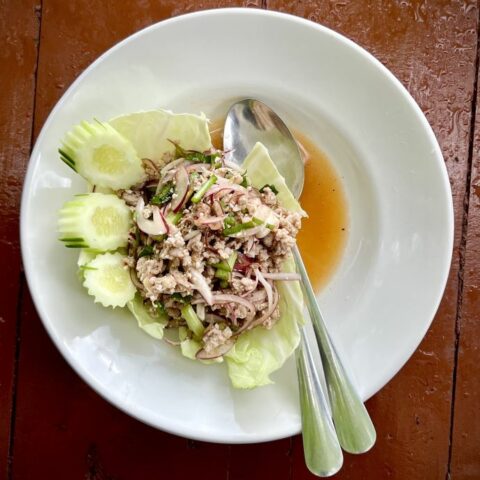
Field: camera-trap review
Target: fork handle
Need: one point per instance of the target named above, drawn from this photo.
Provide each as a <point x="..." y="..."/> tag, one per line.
<point x="354" y="427"/>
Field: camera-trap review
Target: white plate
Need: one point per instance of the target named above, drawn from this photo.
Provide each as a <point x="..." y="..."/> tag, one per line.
<point x="384" y="295"/>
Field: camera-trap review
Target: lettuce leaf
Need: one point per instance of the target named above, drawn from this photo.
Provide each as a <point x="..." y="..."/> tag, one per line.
<point x="151" y="131"/>
<point x="151" y="325"/>
<point x="259" y="352"/>
<point x="262" y="171"/>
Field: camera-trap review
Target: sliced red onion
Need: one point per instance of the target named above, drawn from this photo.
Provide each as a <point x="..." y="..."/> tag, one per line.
<point x="198" y="167"/>
<point x="286" y="276"/>
<point x="201" y="285"/>
<point x="269" y="312"/>
<point x="266" y="286"/>
<point x="233" y="166"/>
<point x="258" y="296"/>
<point x="165" y="179"/>
<point x="242" y="263"/>
<point x="151" y="227"/>
<point x="208" y="220"/>
<point x="181" y="188"/>
<point x="173" y="164"/>
<point x="217" y="188"/>
<point x="249" y="324"/>
<point x="217" y="208"/>
<point x="227" y="298"/>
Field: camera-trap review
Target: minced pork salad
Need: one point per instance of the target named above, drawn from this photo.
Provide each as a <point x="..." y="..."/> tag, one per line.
<point x="197" y="248"/>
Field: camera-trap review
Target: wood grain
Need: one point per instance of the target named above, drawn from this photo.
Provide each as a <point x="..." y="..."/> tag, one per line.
<point x="466" y="426"/>
<point x="78" y="435"/>
<point x="18" y="56"/>
<point x="431" y="47"/>
<point x="74" y="434"/>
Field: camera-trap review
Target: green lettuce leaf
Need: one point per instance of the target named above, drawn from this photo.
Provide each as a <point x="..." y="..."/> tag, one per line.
<point x="259" y="352"/>
<point x="151" y="325"/>
<point x="262" y="171"/>
<point x="151" y="131"/>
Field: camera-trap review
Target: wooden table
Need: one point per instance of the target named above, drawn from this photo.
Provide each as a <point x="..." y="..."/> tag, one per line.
<point x="53" y="426"/>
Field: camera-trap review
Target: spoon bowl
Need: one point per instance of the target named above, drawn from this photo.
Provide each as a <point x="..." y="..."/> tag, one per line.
<point x="250" y="121"/>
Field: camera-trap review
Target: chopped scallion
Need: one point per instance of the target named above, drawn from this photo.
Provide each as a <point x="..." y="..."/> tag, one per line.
<point x="203" y="189"/>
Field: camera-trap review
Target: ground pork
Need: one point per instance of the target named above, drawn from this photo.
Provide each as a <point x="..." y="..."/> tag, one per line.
<point x="215" y="336"/>
<point x="197" y="244"/>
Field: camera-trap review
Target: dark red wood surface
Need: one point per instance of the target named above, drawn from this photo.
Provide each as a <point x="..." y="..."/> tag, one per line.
<point x="54" y="426"/>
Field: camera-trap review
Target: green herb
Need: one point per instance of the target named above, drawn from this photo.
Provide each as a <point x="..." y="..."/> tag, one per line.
<point x="223" y="284"/>
<point x="229" y="221"/>
<point x="164" y="195"/>
<point x="203" y="189"/>
<point x="193" y="322"/>
<point x="194" y="156"/>
<point x="67" y="159"/>
<point x="227" y="265"/>
<point x="146" y="251"/>
<point x="222" y="275"/>
<point x="271" y="187"/>
<point x="245" y="183"/>
<point x="174" y="218"/>
<point x="181" y="299"/>
<point x="161" y="310"/>
<point x="254" y="222"/>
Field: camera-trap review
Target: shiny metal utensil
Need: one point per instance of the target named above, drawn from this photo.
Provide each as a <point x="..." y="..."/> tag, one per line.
<point x="248" y="122"/>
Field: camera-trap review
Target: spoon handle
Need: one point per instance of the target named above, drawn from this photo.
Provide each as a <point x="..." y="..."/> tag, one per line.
<point x="354" y="427"/>
<point x="323" y="455"/>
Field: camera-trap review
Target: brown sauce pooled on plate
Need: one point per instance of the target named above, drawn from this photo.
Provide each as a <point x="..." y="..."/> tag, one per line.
<point x="324" y="233"/>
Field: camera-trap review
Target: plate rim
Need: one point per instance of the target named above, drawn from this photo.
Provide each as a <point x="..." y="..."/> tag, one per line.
<point x="437" y="153"/>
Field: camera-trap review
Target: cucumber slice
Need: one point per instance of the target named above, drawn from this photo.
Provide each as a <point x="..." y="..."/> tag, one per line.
<point x="96" y="189"/>
<point x="102" y="156"/>
<point x="84" y="257"/>
<point x="96" y="221"/>
<point x="108" y="281"/>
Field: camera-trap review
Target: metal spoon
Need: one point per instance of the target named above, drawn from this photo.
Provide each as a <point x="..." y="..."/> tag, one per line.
<point x="250" y="121"/>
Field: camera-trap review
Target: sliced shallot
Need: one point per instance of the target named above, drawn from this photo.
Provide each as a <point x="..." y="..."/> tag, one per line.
<point x="208" y="220"/>
<point x="266" y="286"/>
<point x="227" y="298"/>
<point x="171" y="165"/>
<point x="201" y="285"/>
<point x="157" y="226"/>
<point x="181" y="188"/>
<point x="233" y="166"/>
